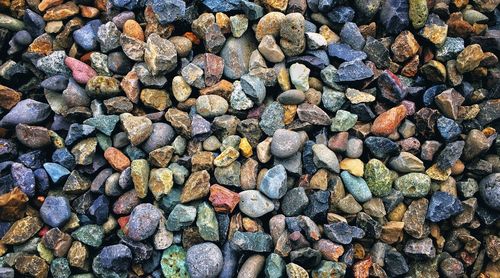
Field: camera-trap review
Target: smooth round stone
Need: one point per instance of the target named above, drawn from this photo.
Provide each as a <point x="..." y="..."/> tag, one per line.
<point x="354" y="148"/>
<point x="489" y="187"/>
<point x="55" y="211"/>
<point x="413" y="185"/>
<point x="143" y="222"/>
<point x="254" y="204"/>
<point x="291" y="97"/>
<point x="273" y="185"/>
<point x="285" y="143"/>
<point x="211" y="106"/>
<point x="356" y="186"/>
<point x="162" y="135"/>
<point x="204" y="260"/>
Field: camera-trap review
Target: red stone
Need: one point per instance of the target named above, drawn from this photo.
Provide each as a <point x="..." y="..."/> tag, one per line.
<point x="223" y="200"/>
<point x="386" y="123"/>
<point x="82" y="72"/>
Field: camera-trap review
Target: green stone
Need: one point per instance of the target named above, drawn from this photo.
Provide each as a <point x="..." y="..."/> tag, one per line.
<point x="104" y="123"/>
<point x="45" y="253"/>
<point x="378" y="178"/>
<point x="332" y="100"/>
<point x="275" y="266"/>
<point x="134" y="152"/>
<point x="60" y="268"/>
<point x="103" y="272"/>
<point x="11" y="23"/>
<point x="173" y="262"/>
<point x="91" y="235"/>
<point x="140" y="176"/>
<point x="343" y="121"/>
<point x="418" y="13"/>
<point x="103" y="141"/>
<point x="181" y="217"/>
<point x="413" y="185"/>
<point x="207" y="223"/>
<point x="169" y="201"/>
<point x="256" y="242"/>
<point x="328" y="269"/>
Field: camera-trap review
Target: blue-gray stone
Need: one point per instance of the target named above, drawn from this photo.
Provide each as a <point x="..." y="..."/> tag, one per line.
<point x="489" y="188"/>
<point x="77" y="132"/>
<point x="56" y="172"/>
<point x="55" y="211"/>
<point x="128" y="4"/>
<point x="345" y="52"/>
<point x="294" y="201"/>
<point x="27" y="111"/>
<point x="64" y="157"/>
<point x="143" y="221"/>
<point x="448" y="128"/>
<point x="223" y="6"/>
<point x="443" y="206"/>
<point x="356" y="186"/>
<point x="343" y="233"/>
<point x="24" y="178"/>
<point x="33" y="159"/>
<point x="255" y="242"/>
<point x="251" y="10"/>
<point x="254" y="87"/>
<point x="168" y="11"/>
<point x="341" y="14"/>
<point x="332" y="99"/>
<point x="272" y="118"/>
<point x="42" y="181"/>
<point x="394" y="16"/>
<point x="273" y="185"/>
<point x="351" y="35"/>
<point x="104" y="123"/>
<point x="33" y="23"/>
<point x="86" y="37"/>
<point x="116" y="257"/>
<point x="99" y="210"/>
<point x="352" y="71"/>
<point x="382" y="147"/>
<point x="55" y="83"/>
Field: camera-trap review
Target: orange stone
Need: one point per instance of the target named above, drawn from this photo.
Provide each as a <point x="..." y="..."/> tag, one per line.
<point x="192" y="37"/>
<point x="13" y="205"/>
<point x="61" y="12"/>
<point x="116" y="159"/>
<point x="223" y="89"/>
<point x="223" y="200"/>
<point x="386" y="123"/>
<point x="42" y="45"/>
<point x="45" y="4"/>
<point x="132" y="29"/>
<point x="8" y="97"/>
<point x="88" y="12"/>
<point x="361" y="269"/>
<point x="329" y="250"/>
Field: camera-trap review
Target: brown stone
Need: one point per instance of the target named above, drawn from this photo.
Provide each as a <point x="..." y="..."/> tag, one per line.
<point x="222" y="88"/>
<point x="61" y="12"/>
<point x="42" y="45"/>
<point x="319" y="180"/>
<point x="329" y="250"/>
<point x="202" y="161"/>
<point x="155" y="98"/>
<point x="434" y="71"/>
<point x="8" y="97"/>
<point x="404" y="46"/>
<point x="269" y="24"/>
<point x="252" y="225"/>
<point x="180" y="121"/>
<point x="338" y="142"/>
<point x="196" y="187"/>
<point x="130" y="85"/>
<point x="45" y="4"/>
<point x="361" y="268"/>
<point x="449" y="103"/>
<point x="275" y="5"/>
<point x="116" y="159"/>
<point x="248" y="174"/>
<point x="410" y="69"/>
<point x="493" y="247"/>
<point x="13" y="205"/>
<point x="386" y="123"/>
<point x="162" y="156"/>
<point x="132" y="29"/>
<point x="22" y="230"/>
<point x="223" y="200"/>
<point x="392" y="232"/>
<point x="57" y="241"/>
<point x="469" y="58"/>
<point x="33" y="266"/>
<point x="414" y="219"/>
<point x="88" y="12"/>
<point x="458" y="27"/>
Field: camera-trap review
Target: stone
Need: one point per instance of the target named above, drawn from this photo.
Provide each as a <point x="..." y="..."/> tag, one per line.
<point x="292" y="33"/>
<point x="26" y="111"/>
<point x="55" y="211"/>
<point x="22" y="230"/>
<point x="211" y="106"/>
<point x="418" y="13"/>
<point x="406" y="162"/>
<point x="32" y="265"/>
<point x="204" y="260"/>
<point x="140" y="176"/>
<point x="357" y="186"/>
<point x="285" y="143"/>
<point x="342" y="232"/>
<point x="173" y="262"/>
<point x="351" y="71"/>
<point x="378" y="178"/>
<point x="196" y="187"/>
<point x="299" y="75"/>
<point x="273" y="184"/>
<point x="325" y="158"/>
<point x="405" y="46"/>
<point x="138" y="128"/>
<point x="294" y="202"/>
<point x="169" y="11"/>
<point x="489" y="188"/>
<point x="343" y="121"/>
<point x="413" y="185"/>
<point x="180" y="217"/>
<point x="434" y="30"/>
<point x="207" y="223"/>
<point x="116" y="257"/>
<point x="254" y="204"/>
<point x="236" y="55"/>
<point x="253" y="87"/>
<point x="442" y="206"/>
<point x="270" y="49"/>
<point x="91" y="235"/>
<point x="394" y="15"/>
<point x="312" y="114"/>
<point x="159" y="54"/>
<point x="255" y="242"/>
<point x="160" y="182"/>
<point x="272" y="118"/>
<point x="469" y="58"/>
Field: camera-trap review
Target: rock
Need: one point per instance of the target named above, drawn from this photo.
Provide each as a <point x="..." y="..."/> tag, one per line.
<point x="418" y="13"/>
<point x="254" y="204"/>
<point x="295" y="271"/>
<point x="299" y="75"/>
<point x="181" y="217"/>
<point x="343" y="121"/>
<point x="356" y="186"/>
<point x="173" y="262"/>
<point x="91" y="235"/>
<point x="26" y="111"/>
<point x="294" y="202"/>
<point x="169" y="11"/>
<point x="272" y="118"/>
<point x="469" y="58"/>
<point x="434" y="30"/>
<point x="378" y="178"/>
<point x="395" y="264"/>
<point x="236" y="54"/>
<point x="387" y="122"/>
<point x="211" y="106"/>
<point x="140" y="176"/>
<point x="207" y="223"/>
<point x="381" y="147"/>
<point x="253" y="87"/>
<point x="406" y="162"/>
<point x="204" y="260"/>
<point x="342" y="232"/>
<point x="413" y="185"/>
<point x="450" y="49"/>
<point x="489" y="188"/>
<point x="354" y="70"/>
<point x="55" y="211"/>
<point x="31" y="265"/>
<point x="273" y="184"/>
<point x="116" y="257"/>
<point x="332" y="100"/>
<point x="442" y="206"/>
<point x="159" y="54"/>
<point x="138" y="128"/>
<point x="394" y="15"/>
<point x="270" y="49"/>
<point x="196" y="187"/>
<point x="448" y="128"/>
<point x="292" y="33"/>
<point x="405" y="46"/>
<point x="160" y="182"/>
<point x="22" y="230"/>
<point x="285" y="143"/>
<point x="255" y="242"/>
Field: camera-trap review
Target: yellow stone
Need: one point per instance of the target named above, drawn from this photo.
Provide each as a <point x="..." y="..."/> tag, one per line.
<point x="437" y="174"/>
<point x="227" y="157"/>
<point x="328" y="34"/>
<point x="45" y="252"/>
<point x="155" y="98"/>
<point x="353" y="165"/>
<point x="160" y="182"/>
<point x="57" y="140"/>
<point x="284" y="79"/>
<point x="290" y="112"/>
<point x="246" y="148"/>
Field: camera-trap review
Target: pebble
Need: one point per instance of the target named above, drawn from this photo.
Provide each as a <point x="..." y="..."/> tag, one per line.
<point x="489" y="188"/>
<point x="180" y="217"/>
<point x="299" y="75"/>
<point x="159" y="54"/>
<point x="204" y="260"/>
<point x="442" y="206"/>
<point x="413" y="185"/>
<point x="292" y="34"/>
<point x="357" y="186"/>
<point x="55" y="211"/>
<point x="325" y="158"/>
<point x="255" y="204"/>
<point x="378" y="178"/>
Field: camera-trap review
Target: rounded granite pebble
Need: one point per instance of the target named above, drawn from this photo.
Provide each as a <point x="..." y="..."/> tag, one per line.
<point x="204" y="260"/>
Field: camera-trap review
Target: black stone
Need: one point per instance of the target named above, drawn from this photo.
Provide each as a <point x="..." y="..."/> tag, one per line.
<point x="450" y="154"/>
<point x="318" y="205"/>
<point x="342" y="232"/>
<point x="372" y="228"/>
<point x="382" y="147"/>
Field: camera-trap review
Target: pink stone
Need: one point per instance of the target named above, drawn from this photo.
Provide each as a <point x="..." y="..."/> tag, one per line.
<point x="82" y="72"/>
<point x="410" y="107"/>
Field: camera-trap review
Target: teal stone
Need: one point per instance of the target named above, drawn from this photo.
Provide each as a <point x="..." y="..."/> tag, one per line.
<point x="207" y="223"/>
<point x="256" y="242"/>
<point x="356" y="186"/>
<point x="60" y="268"/>
<point x="173" y="262"/>
<point x="378" y="178"/>
<point x="413" y="185"/>
<point x="91" y="235"/>
<point x="343" y="121"/>
<point x="327" y="75"/>
<point x="104" y="141"/>
<point x="134" y="152"/>
<point x="332" y="100"/>
<point x="169" y="201"/>
<point x="98" y="269"/>
<point x="275" y="266"/>
<point x="329" y="269"/>
<point x="104" y="123"/>
<point x="181" y="217"/>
